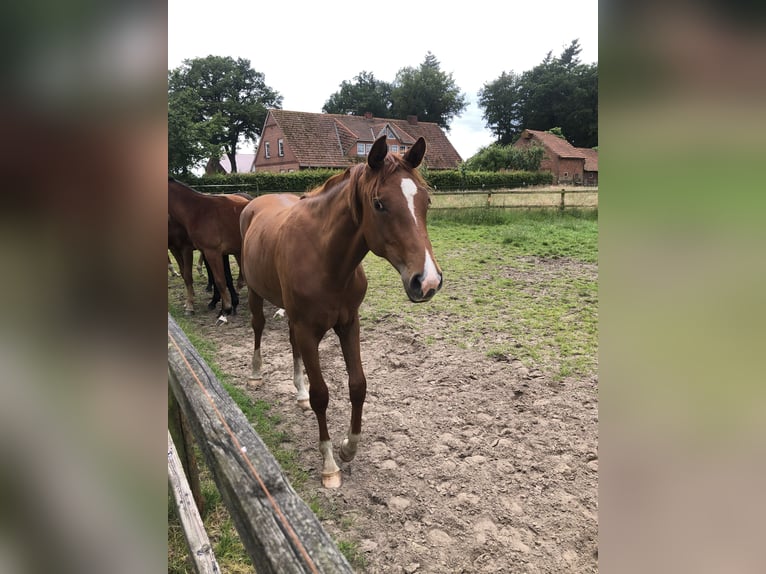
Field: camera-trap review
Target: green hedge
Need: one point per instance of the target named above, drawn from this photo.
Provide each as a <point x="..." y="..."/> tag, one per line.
<point x="301" y="181"/>
<point x="449" y="180"/>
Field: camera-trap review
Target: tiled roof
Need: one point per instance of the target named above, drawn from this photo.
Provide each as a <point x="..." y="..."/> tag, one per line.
<point x="325" y="140"/>
<point x="557" y="145"/>
<point x="591" y="158"/>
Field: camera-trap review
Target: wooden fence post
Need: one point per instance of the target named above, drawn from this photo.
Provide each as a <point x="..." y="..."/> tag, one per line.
<point x="197" y="541"/>
<point x="179" y="430"/>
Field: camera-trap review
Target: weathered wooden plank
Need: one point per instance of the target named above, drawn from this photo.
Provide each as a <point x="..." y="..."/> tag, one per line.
<point x="181" y="435"/>
<point x="200" y="551"/>
<point x="278" y="530"/>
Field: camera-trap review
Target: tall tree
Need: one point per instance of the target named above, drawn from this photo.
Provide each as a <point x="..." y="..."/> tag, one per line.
<point x="428" y="93"/>
<point x="501" y="102"/>
<point x="185" y="150"/>
<point x="364" y="94"/>
<point x="559" y="92"/>
<point x="225" y="99"/>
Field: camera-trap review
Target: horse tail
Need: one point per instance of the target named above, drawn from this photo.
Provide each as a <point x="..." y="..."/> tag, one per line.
<point x="244" y="220"/>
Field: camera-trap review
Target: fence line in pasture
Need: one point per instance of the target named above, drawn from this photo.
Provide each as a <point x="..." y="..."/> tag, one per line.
<point x="526" y="198"/>
<point x="463" y="198"/>
<point x="278" y="530"/>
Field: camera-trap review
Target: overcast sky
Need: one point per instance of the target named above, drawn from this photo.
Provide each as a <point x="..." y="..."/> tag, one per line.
<point x="306" y="49"/>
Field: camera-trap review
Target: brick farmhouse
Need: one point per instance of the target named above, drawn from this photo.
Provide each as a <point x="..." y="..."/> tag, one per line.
<point x="292" y="141"/>
<point x="567" y="163"/>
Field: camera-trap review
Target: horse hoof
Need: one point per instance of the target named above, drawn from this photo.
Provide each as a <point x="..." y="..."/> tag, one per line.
<point x="304" y="404"/>
<point x="344" y="456"/>
<point x="331" y="480"/>
<point x="221" y="320"/>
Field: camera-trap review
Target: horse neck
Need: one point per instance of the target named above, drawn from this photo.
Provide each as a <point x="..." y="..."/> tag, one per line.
<point x="181" y="199"/>
<point x="342" y="236"/>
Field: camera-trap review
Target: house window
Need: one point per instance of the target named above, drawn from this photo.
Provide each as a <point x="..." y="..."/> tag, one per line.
<point x="367" y="148"/>
<point x="266" y="150"/>
<point x="360" y="149"/>
<point x="281" y="148"/>
<point x="403" y="149"/>
<point x="394" y="148"/>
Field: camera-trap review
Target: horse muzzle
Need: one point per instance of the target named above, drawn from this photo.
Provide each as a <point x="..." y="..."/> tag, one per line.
<point x="420" y="289"/>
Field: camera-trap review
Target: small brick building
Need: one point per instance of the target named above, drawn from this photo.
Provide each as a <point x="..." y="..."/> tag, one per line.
<point x="567" y="163"/>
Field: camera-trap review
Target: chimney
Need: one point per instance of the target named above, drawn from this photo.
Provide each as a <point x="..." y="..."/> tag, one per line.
<point x="412" y="120"/>
<point x="368" y="115"/>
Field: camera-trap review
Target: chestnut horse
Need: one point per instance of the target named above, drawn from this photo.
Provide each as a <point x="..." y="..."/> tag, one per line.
<point x="209" y="223"/>
<point x="305" y="256"/>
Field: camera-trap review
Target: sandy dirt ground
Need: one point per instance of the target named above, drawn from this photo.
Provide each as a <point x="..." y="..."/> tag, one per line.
<point x="468" y="463"/>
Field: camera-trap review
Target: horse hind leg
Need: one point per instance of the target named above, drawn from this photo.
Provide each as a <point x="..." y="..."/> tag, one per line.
<point x="230" y="284"/>
<point x="185" y="259"/>
<point x="299" y="381"/>
<point x="240" y="277"/>
<point x="215" y="260"/>
<point x="255" y="302"/>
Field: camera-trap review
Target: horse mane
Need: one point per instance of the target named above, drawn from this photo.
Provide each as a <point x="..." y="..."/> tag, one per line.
<point x="362" y="182"/>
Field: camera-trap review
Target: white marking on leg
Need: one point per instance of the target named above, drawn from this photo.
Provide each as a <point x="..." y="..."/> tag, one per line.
<point x="348" y="446"/>
<point x="330" y="470"/>
<point x="256" y="364"/>
<point x="300" y="384"/>
<point x="409" y="189"/>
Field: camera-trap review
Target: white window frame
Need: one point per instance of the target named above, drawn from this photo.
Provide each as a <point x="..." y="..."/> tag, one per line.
<point x="266" y="150"/>
<point x="281" y="147"/>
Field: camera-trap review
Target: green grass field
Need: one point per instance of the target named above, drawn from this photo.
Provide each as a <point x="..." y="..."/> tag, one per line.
<point x="519" y="284"/>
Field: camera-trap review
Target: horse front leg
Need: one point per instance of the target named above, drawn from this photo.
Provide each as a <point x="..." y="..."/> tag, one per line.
<point x="299" y="381"/>
<point x="308" y="345"/>
<point x="357" y="385"/>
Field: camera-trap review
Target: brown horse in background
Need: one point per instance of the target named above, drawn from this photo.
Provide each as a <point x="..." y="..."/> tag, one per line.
<point x="209" y="223"/>
<point x="305" y="256"/>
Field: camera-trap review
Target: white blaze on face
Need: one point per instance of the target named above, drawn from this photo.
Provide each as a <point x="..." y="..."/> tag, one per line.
<point x="409" y="189"/>
<point x="430" y="275"/>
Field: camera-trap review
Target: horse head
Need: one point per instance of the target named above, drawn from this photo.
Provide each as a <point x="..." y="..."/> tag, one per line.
<point x="394" y="202"/>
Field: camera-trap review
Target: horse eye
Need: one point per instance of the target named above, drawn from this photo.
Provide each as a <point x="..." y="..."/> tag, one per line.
<point x="378" y="205"/>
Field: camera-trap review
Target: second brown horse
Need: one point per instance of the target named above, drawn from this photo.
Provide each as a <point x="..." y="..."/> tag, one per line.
<point x="209" y="223"/>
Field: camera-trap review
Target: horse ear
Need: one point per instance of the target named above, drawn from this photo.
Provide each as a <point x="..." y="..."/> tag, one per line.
<point x="377" y="153"/>
<point x="415" y="154"/>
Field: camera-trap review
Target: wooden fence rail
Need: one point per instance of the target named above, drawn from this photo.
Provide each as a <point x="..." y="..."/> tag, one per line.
<point x="279" y="531"/>
<point x="439" y="201"/>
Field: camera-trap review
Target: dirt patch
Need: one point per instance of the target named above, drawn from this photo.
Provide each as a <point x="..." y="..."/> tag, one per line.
<point x="467" y="463"/>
